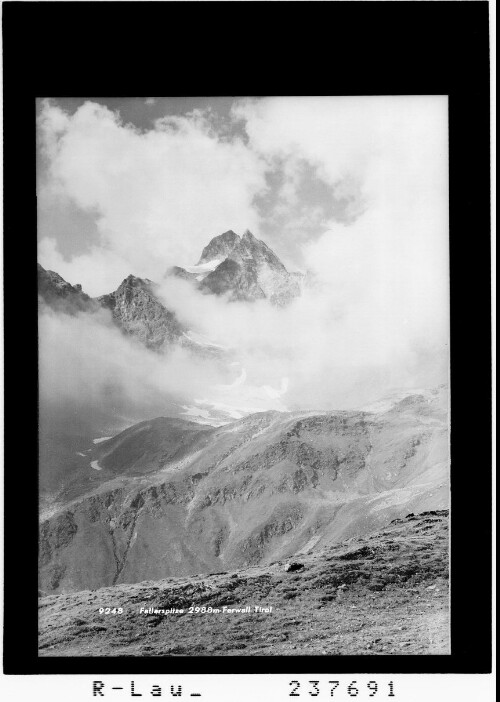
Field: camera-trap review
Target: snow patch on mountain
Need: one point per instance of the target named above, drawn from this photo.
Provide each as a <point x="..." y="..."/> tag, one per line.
<point x="202" y="269"/>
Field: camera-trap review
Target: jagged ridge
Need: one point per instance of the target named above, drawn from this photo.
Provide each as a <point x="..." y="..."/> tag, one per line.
<point x="244" y="269"/>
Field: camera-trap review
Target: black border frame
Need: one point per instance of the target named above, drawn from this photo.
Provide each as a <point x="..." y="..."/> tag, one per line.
<point x="255" y="48"/>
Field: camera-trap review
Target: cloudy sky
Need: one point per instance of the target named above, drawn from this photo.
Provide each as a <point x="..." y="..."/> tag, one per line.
<point x="353" y="189"/>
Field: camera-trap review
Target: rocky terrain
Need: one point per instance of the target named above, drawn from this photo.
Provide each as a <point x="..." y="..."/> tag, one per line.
<point x="243" y="268"/>
<point x="383" y="593"/>
<point x="169" y="497"/>
<point x="220" y="247"/>
<point x="137" y="311"/>
<point x="61" y="295"/>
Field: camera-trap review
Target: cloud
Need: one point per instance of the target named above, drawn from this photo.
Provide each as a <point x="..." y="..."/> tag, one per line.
<point x="88" y="365"/>
<point x="158" y="195"/>
<point x="377" y="316"/>
<point x="84" y="359"/>
<point x="386" y="151"/>
<point x="387" y="267"/>
<point x="334" y="347"/>
<point x="363" y="137"/>
<point x="99" y="269"/>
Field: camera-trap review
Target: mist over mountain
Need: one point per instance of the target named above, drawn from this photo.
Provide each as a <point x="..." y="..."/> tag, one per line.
<point x="213" y="347"/>
<point x="111" y="361"/>
<point x="241" y="268"/>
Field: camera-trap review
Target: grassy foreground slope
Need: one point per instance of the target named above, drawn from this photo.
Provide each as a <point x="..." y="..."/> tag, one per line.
<point x="383" y="593"/>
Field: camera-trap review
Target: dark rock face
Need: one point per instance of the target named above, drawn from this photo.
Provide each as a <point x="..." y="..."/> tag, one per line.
<point x="139" y="313"/>
<point x="290" y="567"/>
<point x="61" y="295"/>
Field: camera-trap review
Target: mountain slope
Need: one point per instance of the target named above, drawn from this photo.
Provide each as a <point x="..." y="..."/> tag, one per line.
<point x="220" y="247"/>
<point x="268" y="486"/>
<point x="384" y="593"/>
<point x="61" y="295"/>
<point x="139" y="313"/>
<point x="241" y="281"/>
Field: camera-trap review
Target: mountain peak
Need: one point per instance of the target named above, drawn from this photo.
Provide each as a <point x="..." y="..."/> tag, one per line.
<point x="249" y="236"/>
<point x="258" y="271"/>
<point x="134" y="280"/>
<point x="139" y="313"/>
<point x="220" y="246"/>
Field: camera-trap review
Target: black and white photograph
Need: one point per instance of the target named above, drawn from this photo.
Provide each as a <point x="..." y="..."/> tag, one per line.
<point x="249" y="331"/>
<point x="244" y="426"/>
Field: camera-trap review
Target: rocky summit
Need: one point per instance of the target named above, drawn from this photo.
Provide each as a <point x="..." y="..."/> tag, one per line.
<point x="244" y="269"/>
<point x="169" y="497"/>
<point x="137" y="311"/>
